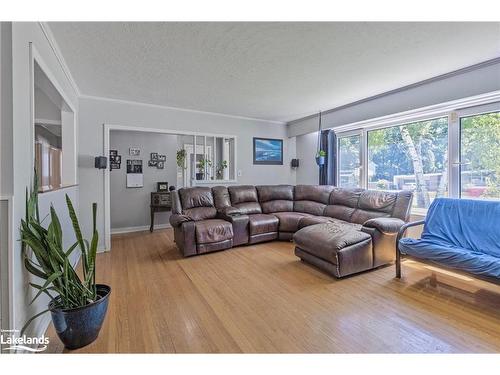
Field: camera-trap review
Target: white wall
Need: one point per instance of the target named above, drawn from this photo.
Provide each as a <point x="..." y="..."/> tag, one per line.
<point x="469" y="83"/>
<point x="95" y="112"/>
<point x="5" y="164"/>
<point x="22" y="160"/>
<point x="129" y="207"/>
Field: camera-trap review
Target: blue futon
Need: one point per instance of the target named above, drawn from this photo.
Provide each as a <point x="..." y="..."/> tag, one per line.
<point x="463" y="234"/>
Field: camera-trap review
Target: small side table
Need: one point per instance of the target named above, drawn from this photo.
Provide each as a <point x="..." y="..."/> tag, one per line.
<point x="160" y="201"/>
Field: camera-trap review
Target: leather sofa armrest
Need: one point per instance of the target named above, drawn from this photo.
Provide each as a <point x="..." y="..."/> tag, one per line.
<point x="240" y="227"/>
<point x="177" y="219"/>
<point x="386" y="225"/>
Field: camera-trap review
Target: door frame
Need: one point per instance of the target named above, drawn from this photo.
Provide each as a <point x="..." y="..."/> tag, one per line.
<point x="107" y="128"/>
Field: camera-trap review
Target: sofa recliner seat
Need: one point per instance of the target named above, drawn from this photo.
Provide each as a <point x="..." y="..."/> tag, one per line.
<point x="342" y="231"/>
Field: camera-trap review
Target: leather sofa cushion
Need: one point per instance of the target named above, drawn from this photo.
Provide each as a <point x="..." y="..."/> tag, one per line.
<point x="221" y="197"/>
<point x="315" y="193"/>
<point x="248" y="208"/>
<point x="213" y="230"/>
<point x="277" y="206"/>
<point x="312" y="220"/>
<point x="360" y="216"/>
<point x="345" y="197"/>
<point x="243" y="193"/>
<point x="200" y="213"/>
<point x="382" y="201"/>
<point x="245" y="199"/>
<point x="289" y="221"/>
<point x="262" y="223"/>
<point x="196" y="197"/>
<point x="275" y="192"/>
<point x="309" y="207"/>
<point x="326" y="240"/>
<point x="339" y="212"/>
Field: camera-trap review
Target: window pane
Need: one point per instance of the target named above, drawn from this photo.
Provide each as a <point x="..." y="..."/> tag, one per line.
<point x="410" y="157"/>
<point x="480" y="156"/>
<point x="349" y="161"/>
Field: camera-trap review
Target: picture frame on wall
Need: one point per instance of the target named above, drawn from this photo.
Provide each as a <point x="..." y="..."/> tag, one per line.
<point x="161" y="186"/>
<point x="152" y="163"/>
<point x="160" y="165"/>
<point x="267" y="151"/>
<point x="162" y="157"/>
<point x="134" y="151"/>
<point x="154" y="156"/>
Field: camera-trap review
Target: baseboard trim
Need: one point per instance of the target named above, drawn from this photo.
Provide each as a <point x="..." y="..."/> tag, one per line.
<point x="138" y="229"/>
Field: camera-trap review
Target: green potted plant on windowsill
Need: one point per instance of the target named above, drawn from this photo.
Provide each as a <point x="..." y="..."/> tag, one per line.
<point x="181" y="158"/>
<point x="202" y="165"/>
<point x="321" y="157"/>
<point x="77" y="304"/>
<point x="220" y="169"/>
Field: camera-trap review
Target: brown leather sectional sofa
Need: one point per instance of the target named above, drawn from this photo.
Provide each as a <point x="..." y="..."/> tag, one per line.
<point x="342" y="231"/>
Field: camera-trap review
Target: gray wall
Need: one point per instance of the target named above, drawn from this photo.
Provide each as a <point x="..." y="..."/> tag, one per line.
<point x="96" y="112"/>
<point x="130" y="206"/>
<point x="45" y="109"/>
<point x="469" y="83"/>
<point x="308" y="170"/>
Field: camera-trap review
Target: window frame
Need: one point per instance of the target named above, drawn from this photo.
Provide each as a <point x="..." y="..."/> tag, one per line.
<point x="454" y="111"/>
<point x="352" y="133"/>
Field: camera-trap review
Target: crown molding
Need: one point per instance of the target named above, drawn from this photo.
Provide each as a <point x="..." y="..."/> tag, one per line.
<point x="57" y="52"/>
<point x="132" y="102"/>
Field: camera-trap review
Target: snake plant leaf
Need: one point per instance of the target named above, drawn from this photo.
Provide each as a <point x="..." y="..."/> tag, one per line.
<point x="34" y="270"/>
<point x="23" y="330"/>
<point x="47" y="283"/>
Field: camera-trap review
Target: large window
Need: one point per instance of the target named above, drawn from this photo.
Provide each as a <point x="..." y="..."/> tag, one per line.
<point x="410" y="157"/>
<point x="455" y="153"/>
<point x="349" y="161"/>
<point x="480" y="156"/>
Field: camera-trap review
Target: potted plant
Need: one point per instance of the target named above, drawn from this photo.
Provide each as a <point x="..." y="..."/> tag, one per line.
<point x="77" y="304"/>
<point x="181" y="158"/>
<point x="320" y="157"/>
<point x="204" y="162"/>
<point x="220" y="169"/>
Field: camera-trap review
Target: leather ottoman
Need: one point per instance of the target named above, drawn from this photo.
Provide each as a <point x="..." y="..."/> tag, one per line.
<point x="339" y="248"/>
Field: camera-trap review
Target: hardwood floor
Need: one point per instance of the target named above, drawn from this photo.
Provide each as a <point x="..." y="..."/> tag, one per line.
<point x="263" y="299"/>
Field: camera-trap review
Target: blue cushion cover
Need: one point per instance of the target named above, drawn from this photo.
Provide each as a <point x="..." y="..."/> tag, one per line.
<point x="462" y="234"/>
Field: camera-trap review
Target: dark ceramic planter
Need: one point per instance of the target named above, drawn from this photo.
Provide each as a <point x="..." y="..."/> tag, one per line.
<point x="80" y="326"/>
<point x="320" y="160"/>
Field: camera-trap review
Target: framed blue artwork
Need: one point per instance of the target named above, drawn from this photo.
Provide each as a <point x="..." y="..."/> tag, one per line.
<point x="268" y="151"/>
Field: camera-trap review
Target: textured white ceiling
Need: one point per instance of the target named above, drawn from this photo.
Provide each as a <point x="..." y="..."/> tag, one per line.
<point x="274" y="71"/>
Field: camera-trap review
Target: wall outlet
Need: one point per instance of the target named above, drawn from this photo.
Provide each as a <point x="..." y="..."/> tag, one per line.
<point x="239" y="173"/>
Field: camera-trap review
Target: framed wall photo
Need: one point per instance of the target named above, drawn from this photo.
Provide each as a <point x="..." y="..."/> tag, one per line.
<point x="134" y="151"/>
<point x="268" y="151"/>
<point x="161" y="186"/>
